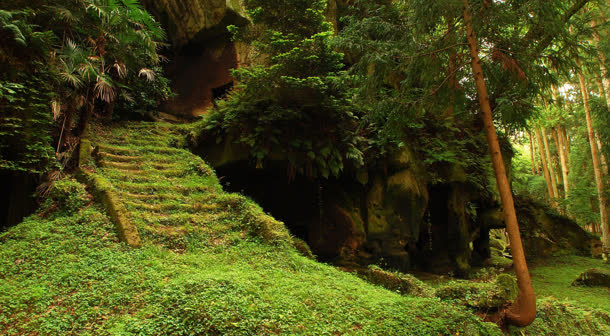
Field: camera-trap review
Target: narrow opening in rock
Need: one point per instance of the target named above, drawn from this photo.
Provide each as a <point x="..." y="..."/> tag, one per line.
<point x="293" y="202"/>
<point x="221" y="92"/>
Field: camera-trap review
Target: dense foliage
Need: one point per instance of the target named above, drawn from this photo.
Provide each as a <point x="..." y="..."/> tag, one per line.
<point x="64" y="60"/>
<point x="297" y="102"/>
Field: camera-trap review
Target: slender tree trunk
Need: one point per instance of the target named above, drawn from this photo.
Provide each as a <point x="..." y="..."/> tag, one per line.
<point x="566" y="142"/>
<point x="453" y="82"/>
<point x="602" y="156"/>
<point x="602" y="64"/>
<point x="549" y="160"/>
<point x="596" y="165"/>
<point x="523" y="311"/>
<point x="545" y="169"/>
<point x="562" y="158"/>
<point x="560" y="144"/>
<point x="534" y="168"/>
<point x="66" y="130"/>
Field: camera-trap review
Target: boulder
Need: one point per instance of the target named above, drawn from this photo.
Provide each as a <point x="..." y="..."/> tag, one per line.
<point x="545" y="233"/>
<point x="593" y="278"/>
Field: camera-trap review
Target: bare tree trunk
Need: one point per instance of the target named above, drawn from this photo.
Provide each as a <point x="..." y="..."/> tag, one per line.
<point x="545" y="169"/>
<point x="602" y="156"/>
<point x="566" y="142"/>
<point x="560" y="145"/>
<point x="453" y="82"/>
<point x="602" y="64"/>
<point x="596" y="165"/>
<point x="523" y="311"/>
<point x="564" y="162"/>
<point x="549" y="160"/>
<point x="534" y="168"/>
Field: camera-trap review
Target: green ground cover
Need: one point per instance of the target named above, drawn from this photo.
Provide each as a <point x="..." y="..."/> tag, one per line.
<point x="553" y="277"/>
<point x="205" y="267"/>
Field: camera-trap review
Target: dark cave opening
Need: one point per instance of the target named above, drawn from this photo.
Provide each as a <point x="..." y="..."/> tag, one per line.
<point x="221" y="92"/>
<point x="294" y="202"/>
<point x="433" y="243"/>
<point x="19" y="188"/>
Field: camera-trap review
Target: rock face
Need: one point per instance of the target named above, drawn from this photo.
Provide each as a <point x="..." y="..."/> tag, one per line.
<point x="203" y="53"/>
<point x="200" y="75"/>
<point x="391" y="215"/>
<point x="189" y="21"/>
<point x="545" y="233"/>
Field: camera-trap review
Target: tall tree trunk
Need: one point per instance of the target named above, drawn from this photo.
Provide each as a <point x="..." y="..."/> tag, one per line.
<point x="596" y="164"/>
<point x="562" y="158"/>
<point x="549" y="160"/>
<point x="523" y="311"/>
<point x="602" y="156"/>
<point x="560" y="144"/>
<point x="534" y="166"/>
<point x="602" y="64"/>
<point x="545" y="169"/>
<point x="566" y="142"/>
<point x="453" y="82"/>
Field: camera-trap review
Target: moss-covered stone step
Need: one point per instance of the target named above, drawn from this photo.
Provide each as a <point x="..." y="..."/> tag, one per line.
<point x="119" y="165"/>
<point x="130" y="151"/>
<point x="143" y="188"/>
<point x="108" y="157"/>
<point x="158" y="142"/>
<point x="201" y="218"/>
<point x="151" y="173"/>
<point x="171" y="207"/>
<point x="156" y="198"/>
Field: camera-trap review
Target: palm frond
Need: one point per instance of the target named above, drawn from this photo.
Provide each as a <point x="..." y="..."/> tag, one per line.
<point x="120" y="68"/>
<point x="105" y="89"/>
<point x="56" y="109"/>
<point x="149" y="74"/>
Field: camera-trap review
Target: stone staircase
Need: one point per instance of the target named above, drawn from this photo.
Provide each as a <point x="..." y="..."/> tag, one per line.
<point x="160" y="194"/>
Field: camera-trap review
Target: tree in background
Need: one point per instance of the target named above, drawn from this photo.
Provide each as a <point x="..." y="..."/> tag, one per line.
<point x="297" y="104"/>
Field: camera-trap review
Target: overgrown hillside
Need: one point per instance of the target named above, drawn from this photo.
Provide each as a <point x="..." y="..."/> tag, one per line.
<point x="64" y="271"/>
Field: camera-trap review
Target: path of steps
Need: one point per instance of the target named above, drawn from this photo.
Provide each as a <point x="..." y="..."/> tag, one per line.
<point x="168" y="195"/>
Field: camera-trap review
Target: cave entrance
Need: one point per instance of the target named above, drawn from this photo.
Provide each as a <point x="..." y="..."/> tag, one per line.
<point x="221" y="92"/>
<point x="200" y="73"/>
<point x="431" y="246"/>
<point x="293" y="202"/>
<point x="21" y="203"/>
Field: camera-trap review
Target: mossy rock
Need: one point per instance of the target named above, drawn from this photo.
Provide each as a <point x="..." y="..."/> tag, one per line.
<point x="593" y="278"/>
<point x="481" y="295"/>
<point x="405" y="284"/>
<point x="301" y="246"/>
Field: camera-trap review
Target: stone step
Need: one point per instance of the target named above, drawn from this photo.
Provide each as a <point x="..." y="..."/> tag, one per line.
<point x="180" y="219"/>
<point x="140" y="188"/>
<point x="108" y="157"/>
<point x="171" y="207"/>
<point x="119" y="165"/>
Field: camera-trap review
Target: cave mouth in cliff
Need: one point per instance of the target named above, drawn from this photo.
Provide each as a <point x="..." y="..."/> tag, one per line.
<point x="294" y="202"/>
<point x="221" y="92"/>
<point x="21" y="203"/>
<point x="433" y="244"/>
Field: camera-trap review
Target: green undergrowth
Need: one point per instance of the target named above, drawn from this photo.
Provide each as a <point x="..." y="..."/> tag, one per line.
<point x="554" y="277"/>
<point x="212" y="263"/>
<point x="69" y="275"/>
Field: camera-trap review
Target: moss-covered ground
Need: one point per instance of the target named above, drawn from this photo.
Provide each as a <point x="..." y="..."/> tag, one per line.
<point x="205" y="268"/>
<point x="554" y="276"/>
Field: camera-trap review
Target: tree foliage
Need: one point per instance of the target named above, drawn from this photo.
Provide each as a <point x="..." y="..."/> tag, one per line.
<point x="297" y="103"/>
<point x="62" y="61"/>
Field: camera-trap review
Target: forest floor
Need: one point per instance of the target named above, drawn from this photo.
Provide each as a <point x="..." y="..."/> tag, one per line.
<point x="554" y="277"/>
<point x="206" y="268"/>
